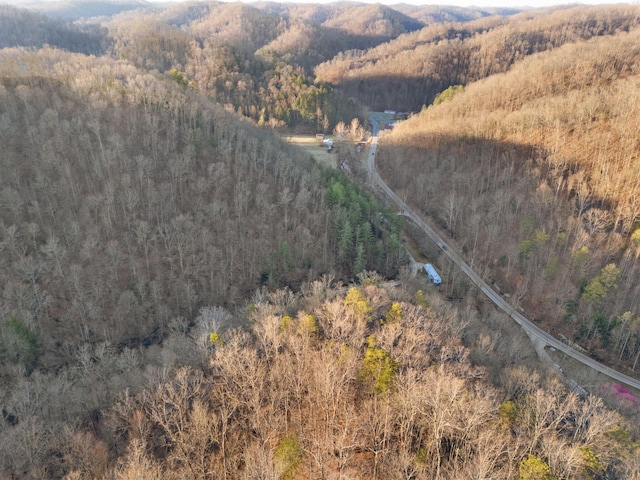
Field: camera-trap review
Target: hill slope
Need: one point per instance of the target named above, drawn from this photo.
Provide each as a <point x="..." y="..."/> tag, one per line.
<point x="422" y="64"/>
<point x="129" y="205"/>
<point x="23" y="28"/>
<point x="167" y="268"/>
<point x="116" y="167"/>
<point x="88" y="10"/>
<point x="260" y="58"/>
<point x="533" y="172"/>
<point x="307" y="395"/>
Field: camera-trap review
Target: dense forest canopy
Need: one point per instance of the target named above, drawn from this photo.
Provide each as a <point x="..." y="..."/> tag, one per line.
<point x="185" y="295"/>
<point x="423" y="63"/>
<point x="552" y="152"/>
<point x="358" y="384"/>
<point x="127" y="203"/>
<point x="20" y="27"/>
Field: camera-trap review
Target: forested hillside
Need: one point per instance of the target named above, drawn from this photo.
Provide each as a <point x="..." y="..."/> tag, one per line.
<point x="420" y="65"/>
<point x="87" y="11"/>
<point x="20" y="27"/>
<point x="259" y="59"/>
<point x="430" y="14"/>
<point x="186" y="296"/>
<point x="362" y="384"/>
<point x="533" y="173"/>
<point x="127" y="203"/>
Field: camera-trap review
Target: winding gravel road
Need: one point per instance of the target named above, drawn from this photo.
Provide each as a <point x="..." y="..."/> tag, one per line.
<point x="539" y="337"/>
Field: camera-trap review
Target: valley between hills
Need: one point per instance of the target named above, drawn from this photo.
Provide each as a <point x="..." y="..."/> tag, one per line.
<point x="200" y="279"/>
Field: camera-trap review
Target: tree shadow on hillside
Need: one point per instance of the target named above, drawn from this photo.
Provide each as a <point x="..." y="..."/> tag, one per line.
<point x="398" y="92"/>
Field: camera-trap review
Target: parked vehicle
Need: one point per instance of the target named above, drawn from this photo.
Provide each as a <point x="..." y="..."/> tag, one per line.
<point x="432" y="274"/>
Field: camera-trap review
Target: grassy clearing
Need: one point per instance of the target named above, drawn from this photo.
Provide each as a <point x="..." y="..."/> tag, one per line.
<point x="314" y="147"/>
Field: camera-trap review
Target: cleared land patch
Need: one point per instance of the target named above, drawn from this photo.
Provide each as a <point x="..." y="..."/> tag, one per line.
<point x="314" y="147"/>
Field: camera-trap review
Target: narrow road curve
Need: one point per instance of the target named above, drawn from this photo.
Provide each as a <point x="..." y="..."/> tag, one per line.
<point x="539" y="337"/>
